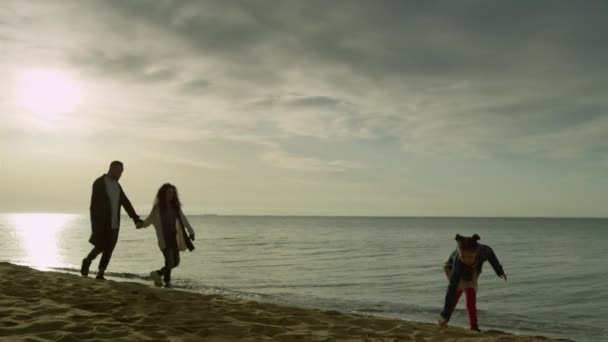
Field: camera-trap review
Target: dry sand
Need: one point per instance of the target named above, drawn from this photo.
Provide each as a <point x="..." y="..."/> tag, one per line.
<point x="53" y="306"/>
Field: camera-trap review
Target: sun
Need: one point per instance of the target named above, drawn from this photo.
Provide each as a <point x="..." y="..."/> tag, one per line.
<point x="47" y="91"/>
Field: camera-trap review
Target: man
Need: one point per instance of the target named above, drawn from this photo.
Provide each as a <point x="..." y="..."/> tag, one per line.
<point x="106" y="201"/>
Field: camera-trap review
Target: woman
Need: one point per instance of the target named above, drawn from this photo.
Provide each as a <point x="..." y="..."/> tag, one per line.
<point x="169" y="222"/>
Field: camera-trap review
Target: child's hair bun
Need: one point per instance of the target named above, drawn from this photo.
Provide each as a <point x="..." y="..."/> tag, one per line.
<point x="467" y="242"/>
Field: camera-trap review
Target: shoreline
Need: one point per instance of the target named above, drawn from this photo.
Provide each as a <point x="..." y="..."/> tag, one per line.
<point x="49" y="305"/>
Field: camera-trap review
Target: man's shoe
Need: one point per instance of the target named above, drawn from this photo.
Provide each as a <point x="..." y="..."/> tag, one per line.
<point x="84" y="269"/>
<point x="100" y="275"/>
<point x="156" y="278"/>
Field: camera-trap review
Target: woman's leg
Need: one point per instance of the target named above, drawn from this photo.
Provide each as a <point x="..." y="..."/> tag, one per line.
<point x="176" y="258"/>
<point x="471" y="295"/>
<point x="156" y="275"/>
<point x="166" y="258"/>
<point x="169" y="264"/>
<point x="172" y="262"/>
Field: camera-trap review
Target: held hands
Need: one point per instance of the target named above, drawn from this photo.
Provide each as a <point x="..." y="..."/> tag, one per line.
<point x="139" y="223"/>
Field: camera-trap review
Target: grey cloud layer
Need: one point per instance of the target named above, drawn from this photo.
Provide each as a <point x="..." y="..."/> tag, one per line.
<point x="442" y="77"/>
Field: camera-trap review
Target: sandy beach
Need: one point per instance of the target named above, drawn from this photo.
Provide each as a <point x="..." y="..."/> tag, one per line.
<point x="54" y="306"/>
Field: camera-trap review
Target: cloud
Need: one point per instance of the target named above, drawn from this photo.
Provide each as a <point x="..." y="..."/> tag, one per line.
<point x="195" y="86"/>
<point x="315" y="101"/>
<point x="321" y="117"/>
<point x="468" y="79"/>
<point x="284" y="160"/>
<point x="129" y="65"/>
<point x="172" y="159"/>
<point x="569" y="142"/>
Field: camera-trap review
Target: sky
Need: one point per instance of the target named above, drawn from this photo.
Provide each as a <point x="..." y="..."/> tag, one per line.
<point x="396" y="108"/>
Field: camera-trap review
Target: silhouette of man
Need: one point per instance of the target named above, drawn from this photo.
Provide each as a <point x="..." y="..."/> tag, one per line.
<point x="106" y="202"/>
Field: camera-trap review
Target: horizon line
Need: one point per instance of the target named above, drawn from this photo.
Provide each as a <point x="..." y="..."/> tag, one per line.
<point x="345" y="216"/>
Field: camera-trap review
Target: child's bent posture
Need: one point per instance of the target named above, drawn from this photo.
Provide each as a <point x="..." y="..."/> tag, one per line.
<point x="463" y="269"/>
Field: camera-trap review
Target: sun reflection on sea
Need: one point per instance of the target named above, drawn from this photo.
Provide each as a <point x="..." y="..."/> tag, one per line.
<point x="39" y="236"/>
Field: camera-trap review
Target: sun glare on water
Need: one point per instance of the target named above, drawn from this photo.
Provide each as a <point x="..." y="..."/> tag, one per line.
<point x="39" y="236"/>
<point x="48" y="91"/>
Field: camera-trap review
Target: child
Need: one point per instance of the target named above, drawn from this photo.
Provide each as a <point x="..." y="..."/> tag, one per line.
<point x="462" y="270"/>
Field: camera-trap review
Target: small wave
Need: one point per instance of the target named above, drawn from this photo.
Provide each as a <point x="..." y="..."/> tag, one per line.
<point x="249" y="244"/>
<point x="299" y="286"/>
<point x="178" y="284"/>
<point x="124" y="275"/>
